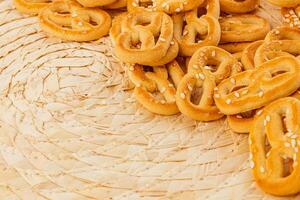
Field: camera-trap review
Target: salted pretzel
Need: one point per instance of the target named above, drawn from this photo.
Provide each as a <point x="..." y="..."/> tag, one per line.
<point x="147" y="83"/>
<point x="283" y="33"/>
<point x="248" y="54"/>
<point x="291" y="16"/>
<point x="234" y="47"/>
<point x="207" y="67"/>
<point x="253" y="89"/>
<point x="285" y="3"/>
<point x="237" y="6"/>
<point x="144" y="38"/>
<point x="273" y="49"/>
<point x="243" y="28"/>
<point x="167" y="6"/>
<point x="68" y="20"/>
<point x="274" y="147"/>
<point x="95" y="3"/>
<point x="197" y="33"/>
<point x="32" y="7"/>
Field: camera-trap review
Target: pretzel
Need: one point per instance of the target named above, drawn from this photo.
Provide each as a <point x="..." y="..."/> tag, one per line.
<point x="234" y="47"/>
<point x="198" y="32"/>
<point x="253" y="89"/>
<point x="291" y="16"/>
<point x="202" y="75"/>
<point x="95" y="3"/>
<point x="167" y="6"/>
<point x="32" y="7"/>
<point x="143" y="44"/>
<point x="243" y="28"/>
<point x="274" y="49"/>
<point x="79" y="24"/>
<point x="283" y="33"/>
<point x="248" y="54"/>
<point x="274" y="147"/>
<point x="237" y="6"/>
<point x="285" y="3"/>
<point x="157" y="81"/>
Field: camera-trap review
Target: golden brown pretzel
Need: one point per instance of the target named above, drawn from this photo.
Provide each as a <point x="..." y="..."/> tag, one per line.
<point x="252" y="89"/>
<point x="167" y="6"/>
<point x="237" y="6"/>
<point x="207" y="67"/>
<point x="243" y="28"/>
<point x="32" y="7"/>
<point x="249" y="54"/>
<point x="198" y="32"/>
<point x="70" y="21"/>
<point x="273" y="49"/>
<point x="285" y="3"/>
<point x="234" y="47"/>
<point x="144" y="38"/>
<point x="147" y="83"/>
<point x="283" y="33"/>
<point x="95" y="3"/>
<point x="274" y="147"/>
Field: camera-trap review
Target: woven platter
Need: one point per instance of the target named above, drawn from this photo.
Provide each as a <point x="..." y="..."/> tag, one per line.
<point x="71" y="129"/>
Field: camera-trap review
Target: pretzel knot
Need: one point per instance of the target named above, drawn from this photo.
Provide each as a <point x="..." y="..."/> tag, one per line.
<point x="70" y="21"/>
<point x="285" y="3"/>
<point x="32" y="7"/>
<point x="237" y="6"/>
<point x="243" y="28"/>
<point x="291" y="16"/>
<point x="197" y="33"/>
<point x="274" y="146"/>
<point x="149" y="83"/>
<point x="145" y="38"/>
<point x="167" y="6"/>
<point x="207" y="67"/>
<point x="252" y="89"/>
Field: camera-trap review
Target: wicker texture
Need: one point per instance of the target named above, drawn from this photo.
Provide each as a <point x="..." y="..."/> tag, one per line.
<point x="71" y="129"/>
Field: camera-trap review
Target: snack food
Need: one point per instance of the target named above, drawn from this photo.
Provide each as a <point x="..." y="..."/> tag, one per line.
<point x="198" y="32"/>
<point x="243" y="28"/>
<point x="253" y="89"/>
<point x="148" y="82"/>
<point x="237" y="6"/>
<point x="68" y="20"/>
<point x="274" y="147"/>
<point x="291" y="16"/>
<point x="248" y="54"/>
<point x="32" y="7"/>
<point x="283" y="33"/>
<point x="144" y="38"/>
<point x="116" y="5"/>
<point x="207" y="67"/>
<point x="167" y="6"/>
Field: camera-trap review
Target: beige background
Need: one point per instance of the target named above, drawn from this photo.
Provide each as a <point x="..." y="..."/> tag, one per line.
<point x="71" y="129"/>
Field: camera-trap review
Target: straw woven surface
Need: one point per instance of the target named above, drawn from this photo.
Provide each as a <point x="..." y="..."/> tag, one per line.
<point x="71" y="129"/>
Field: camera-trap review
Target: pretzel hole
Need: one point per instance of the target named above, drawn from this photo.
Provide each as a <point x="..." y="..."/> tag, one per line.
<point x="277" y="73"/>
<point x="287" y="166"/>
<point x="248" y="114"/>
<point x="145" y="3"/>
<point x="267" y="146"/>
<point x="196" y="95"/>
<point x="284" y="125"/>
<point x="236" y="88"/>
<point x="201" y="11"/>
<point x="200" y="37"/>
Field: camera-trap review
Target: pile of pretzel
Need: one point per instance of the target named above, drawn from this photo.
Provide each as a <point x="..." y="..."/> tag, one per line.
<point x="205" y="59"/>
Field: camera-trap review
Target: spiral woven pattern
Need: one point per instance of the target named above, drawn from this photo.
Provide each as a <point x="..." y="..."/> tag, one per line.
<point x="71" y="129"/>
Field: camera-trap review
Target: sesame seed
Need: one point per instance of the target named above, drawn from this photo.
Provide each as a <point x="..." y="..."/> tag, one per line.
<point x="294" y="143"/>
<point x="171" y="85"/>
<point x="262" y="169"/>
<point x="217" y="96"/>
<point x="268" y="154"/>
<point x="236" y="94"/>
<point x="228" y="101"/>
<point x="163" y="102"/>
<point x="216" y="89"/>
<point x="213" y="53"/>
<point x="162" y="39"/>
<point x="295" y="157"/>
<point x="259" y="112"/>
<point x="286" y="144"/>
<point x="261" y="93"/>
<point x="163" y="90"/>
<point x="201" y="76"/>
<point x="195" y="67"/>
<point x="232" y="80"/>
<point x="182" y="95"/>
<point x="172" y="42"/>
<point x="80" y="24"/>
<point x="239" y="116"/>
<point x="268" y="118"/>
<point x="190" y="87"/>
<point x="185" y="32"/>
<point x="245" y="92"/>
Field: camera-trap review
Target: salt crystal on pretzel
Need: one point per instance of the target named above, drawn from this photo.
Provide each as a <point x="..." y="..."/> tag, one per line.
<point x="275" y="154"/>
<point x="277" y="78"/>
<point x="68" y="20"/>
